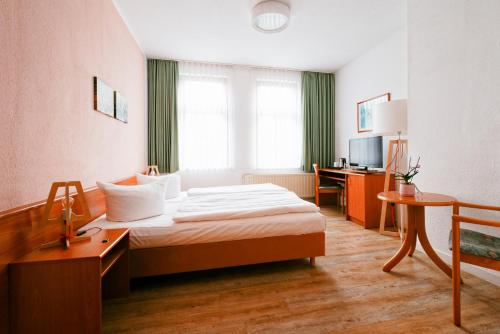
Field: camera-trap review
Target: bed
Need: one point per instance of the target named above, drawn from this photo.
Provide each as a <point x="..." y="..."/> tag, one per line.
<point x="187" y="239"/>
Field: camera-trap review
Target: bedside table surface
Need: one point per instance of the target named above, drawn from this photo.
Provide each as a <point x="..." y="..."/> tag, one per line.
<point x="93" y="248"/>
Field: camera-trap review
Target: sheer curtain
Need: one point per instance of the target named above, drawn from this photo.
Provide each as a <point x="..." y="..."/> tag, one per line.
<point x="278" y="119"/>
<point x="203" y="111"/>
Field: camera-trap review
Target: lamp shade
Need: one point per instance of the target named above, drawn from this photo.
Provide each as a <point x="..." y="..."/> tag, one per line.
<point x="389" y="118"/>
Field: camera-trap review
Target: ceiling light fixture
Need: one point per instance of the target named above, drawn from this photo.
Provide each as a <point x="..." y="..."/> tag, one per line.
<point x="270" y="16"/>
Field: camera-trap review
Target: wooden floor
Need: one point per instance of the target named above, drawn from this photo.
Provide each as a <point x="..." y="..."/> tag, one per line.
<point x="347" y="292"/>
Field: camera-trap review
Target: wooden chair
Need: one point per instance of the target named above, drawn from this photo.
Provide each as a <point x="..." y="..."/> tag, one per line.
<point x="471" y="247"/>
<point x="325" y="188"/>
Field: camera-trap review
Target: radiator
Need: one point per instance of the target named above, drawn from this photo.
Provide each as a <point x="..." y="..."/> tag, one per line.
<point x="300" y="183"/>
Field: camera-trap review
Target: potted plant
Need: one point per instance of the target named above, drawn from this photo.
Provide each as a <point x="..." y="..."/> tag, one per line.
<point x="407" y="188"/>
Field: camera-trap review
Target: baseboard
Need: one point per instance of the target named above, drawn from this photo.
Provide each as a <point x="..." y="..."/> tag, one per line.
<point x="486" y="274"/>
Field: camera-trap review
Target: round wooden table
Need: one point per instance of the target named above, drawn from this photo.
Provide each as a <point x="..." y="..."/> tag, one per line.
<point x="416" y="225"/>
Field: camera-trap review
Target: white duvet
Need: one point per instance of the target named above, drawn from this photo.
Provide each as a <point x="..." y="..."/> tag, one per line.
<point x="236" y="202"/>
<point x="267" y="187"/>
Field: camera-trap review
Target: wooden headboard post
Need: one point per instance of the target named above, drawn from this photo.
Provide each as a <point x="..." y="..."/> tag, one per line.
<point x="21" y="233"/>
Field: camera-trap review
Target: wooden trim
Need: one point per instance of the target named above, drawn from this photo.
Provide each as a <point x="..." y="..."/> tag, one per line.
<point x="184" y="258"/>
<point x="477" y="221"/>
<point x="480" y="261"/>
<point x="477" y="206"/>
<point x="357" y="109"/>
<point x="21" y="232"/>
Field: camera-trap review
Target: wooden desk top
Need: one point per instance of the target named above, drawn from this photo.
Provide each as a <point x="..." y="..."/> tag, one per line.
<point x="421" y="199"/>
<point x="350" y="171"/>
<point x="93" y="248"/>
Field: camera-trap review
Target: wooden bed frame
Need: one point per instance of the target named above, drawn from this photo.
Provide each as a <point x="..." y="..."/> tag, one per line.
<point x="21" y="232"/>
<point x="183" y="258"/>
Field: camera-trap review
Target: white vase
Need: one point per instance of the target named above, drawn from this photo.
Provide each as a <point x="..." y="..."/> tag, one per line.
<point x="407" y="189"/>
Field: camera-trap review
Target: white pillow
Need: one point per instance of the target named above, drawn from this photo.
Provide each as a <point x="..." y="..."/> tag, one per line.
<point x="126" y="203"/>
<point x="172" y="183"/>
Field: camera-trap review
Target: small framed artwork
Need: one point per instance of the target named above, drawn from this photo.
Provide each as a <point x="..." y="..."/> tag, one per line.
<point x="121" y="108"/>
<point x="103" y="98"/>
<point x="364" y="110"/>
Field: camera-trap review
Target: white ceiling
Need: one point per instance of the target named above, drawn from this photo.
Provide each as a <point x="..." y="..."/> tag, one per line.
<point x="323" y="35"/>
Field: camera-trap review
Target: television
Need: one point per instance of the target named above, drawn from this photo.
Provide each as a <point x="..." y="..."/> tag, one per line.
<point x="366" y="152"/>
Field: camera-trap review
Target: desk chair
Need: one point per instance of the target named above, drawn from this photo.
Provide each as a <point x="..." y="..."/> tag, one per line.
<point x="471" y="247"/>
<point x="326" y="188"/>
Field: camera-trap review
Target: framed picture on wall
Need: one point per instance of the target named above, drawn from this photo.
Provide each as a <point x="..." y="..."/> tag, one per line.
<point x="103" y="98"/>
<point x="364" y="110"/>
<point x="121" y="108"/>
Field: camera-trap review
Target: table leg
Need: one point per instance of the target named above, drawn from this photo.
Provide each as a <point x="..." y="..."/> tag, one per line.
<point x="405" y="247"/>
<point x="412" y="246"/>
<point x="426" y="245"/>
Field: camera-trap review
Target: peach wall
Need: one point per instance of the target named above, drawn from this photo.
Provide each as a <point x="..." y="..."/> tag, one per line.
<point x="50" y="51"/>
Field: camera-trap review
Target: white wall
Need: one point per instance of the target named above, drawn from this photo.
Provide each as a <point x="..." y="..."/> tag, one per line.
<point x="380" y="70"/>
<point x="454" y="105"/>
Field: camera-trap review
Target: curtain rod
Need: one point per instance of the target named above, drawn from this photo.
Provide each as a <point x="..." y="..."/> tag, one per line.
<point x="239" y="65"/>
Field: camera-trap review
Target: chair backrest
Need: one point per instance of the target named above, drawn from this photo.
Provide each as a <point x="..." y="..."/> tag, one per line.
<point x="457" y="219"/>
<point x="316" y="175"/>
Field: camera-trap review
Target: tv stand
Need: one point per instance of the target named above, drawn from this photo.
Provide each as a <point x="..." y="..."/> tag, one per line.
<point x="362" y="187"/>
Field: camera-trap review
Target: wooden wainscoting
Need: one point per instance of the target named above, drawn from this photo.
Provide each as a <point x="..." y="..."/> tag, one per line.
<point x="21" y="232"/>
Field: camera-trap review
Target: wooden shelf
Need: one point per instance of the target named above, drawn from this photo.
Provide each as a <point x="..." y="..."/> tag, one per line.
<point x="111" y="259"/>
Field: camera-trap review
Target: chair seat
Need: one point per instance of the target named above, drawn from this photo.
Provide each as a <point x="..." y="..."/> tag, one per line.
<point x="478" y="244"/>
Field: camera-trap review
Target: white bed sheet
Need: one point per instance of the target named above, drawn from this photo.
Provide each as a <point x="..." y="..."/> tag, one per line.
<point x="162" y="231"/>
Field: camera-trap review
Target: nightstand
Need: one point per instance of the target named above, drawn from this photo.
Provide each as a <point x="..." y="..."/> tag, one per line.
<point x="59" y="290"/>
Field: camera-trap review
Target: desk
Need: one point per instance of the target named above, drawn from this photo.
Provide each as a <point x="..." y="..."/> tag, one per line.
<point x="59" y="290"/>
<point x="361" y="189"/>
<point x="416" y="225"/>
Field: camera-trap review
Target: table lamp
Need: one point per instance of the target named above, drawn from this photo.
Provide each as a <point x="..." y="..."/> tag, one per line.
<point x="153" y="170"/>
<point x="390" y="118"/>
<point x="67" y="216"/>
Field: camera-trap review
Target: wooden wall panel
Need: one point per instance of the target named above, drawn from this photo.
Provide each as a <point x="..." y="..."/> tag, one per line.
<point x="21" y="233"/>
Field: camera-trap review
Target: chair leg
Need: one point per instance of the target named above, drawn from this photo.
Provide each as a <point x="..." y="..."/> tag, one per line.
<point x="456" y="296"/>
<point x="342" y="196"/>
<point x="316" y="199"/>
<point x="455" y="274"/>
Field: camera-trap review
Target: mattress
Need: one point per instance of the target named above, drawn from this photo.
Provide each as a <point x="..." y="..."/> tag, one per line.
<point x="162" y="231"/>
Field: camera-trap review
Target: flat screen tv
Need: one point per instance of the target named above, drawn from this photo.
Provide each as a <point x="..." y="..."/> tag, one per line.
<point x="366" y="152"/>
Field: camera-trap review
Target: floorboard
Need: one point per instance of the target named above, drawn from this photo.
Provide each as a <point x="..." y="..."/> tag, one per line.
<point x="346" y="292"/>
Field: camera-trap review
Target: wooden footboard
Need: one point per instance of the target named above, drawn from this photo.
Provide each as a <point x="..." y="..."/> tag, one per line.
<point x="183" y="258"/>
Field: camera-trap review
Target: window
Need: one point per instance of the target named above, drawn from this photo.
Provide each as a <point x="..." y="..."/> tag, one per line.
<point x="279" y="124"/>
<point x="203" y="122"/>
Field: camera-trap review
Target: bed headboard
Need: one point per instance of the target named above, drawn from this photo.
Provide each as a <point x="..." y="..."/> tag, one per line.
<point x="20" y="233"/>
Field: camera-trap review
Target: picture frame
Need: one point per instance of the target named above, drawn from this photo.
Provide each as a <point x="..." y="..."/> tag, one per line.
<point x="103" y="98"/>
<point x="121" y="108"/>
<point x="364" y="111"/>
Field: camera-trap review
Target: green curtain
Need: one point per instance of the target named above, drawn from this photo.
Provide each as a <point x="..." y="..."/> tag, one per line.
<point x="318" y="107"/>
<point x="163" y="76"/>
